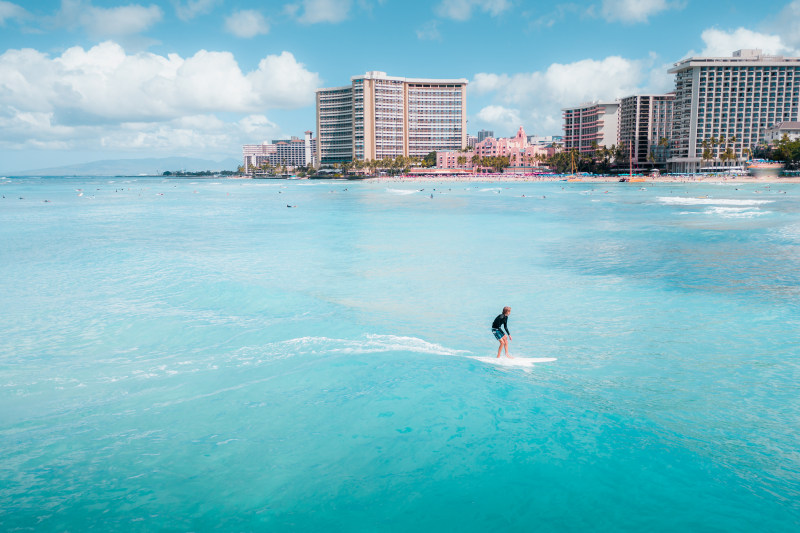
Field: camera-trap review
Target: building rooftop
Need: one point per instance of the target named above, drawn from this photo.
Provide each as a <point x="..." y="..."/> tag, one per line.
<point x="744" y="57"/>
<point x="788" y="125"/>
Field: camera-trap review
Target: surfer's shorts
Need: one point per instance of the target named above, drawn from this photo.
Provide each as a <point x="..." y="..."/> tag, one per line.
<point x="498" y="333"/>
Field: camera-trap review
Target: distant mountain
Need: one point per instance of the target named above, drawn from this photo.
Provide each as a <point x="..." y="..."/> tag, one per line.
<point x="133" y="167"/>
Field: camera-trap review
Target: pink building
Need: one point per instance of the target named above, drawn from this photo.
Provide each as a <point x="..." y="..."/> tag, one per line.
<point x="522" y="155"/>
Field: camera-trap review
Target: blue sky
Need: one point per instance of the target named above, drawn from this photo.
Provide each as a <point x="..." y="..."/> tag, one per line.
<point x="83" y="80"/>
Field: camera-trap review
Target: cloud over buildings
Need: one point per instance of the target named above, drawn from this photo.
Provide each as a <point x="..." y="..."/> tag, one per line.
<point x="54" y="99"/>
<point x="536" y="98"/>
<point x="720" y="43"/>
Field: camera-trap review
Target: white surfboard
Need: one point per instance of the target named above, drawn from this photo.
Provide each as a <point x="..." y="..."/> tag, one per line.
<point x="525" y="362"/>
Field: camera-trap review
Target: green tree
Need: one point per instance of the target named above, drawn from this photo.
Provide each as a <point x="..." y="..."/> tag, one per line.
<point x="429" y="160"/>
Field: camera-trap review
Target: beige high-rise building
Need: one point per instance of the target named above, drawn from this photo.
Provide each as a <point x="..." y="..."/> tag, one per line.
<point x="591" y="124"/>
<point x="380" y="116"/>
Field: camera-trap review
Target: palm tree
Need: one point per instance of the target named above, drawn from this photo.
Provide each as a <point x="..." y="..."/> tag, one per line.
<point x="461" y="160"/>
<point x="707" y="154"/>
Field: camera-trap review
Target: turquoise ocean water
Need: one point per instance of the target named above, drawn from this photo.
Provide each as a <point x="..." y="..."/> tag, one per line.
<point x="195" y="355"/>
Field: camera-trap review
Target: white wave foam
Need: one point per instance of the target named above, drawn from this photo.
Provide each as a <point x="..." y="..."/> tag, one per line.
<point x="491" y="189"/>
<point x="735" y="212"/>
<point x="402" y="192"/>
<point x="369" y="344"/>
<point x="682" y="200"/>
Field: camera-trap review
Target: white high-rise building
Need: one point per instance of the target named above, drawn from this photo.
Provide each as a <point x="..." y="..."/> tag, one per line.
<point x="335" y="125"/>
<point x="735" y="99"/>
<point x="380" y="116"/>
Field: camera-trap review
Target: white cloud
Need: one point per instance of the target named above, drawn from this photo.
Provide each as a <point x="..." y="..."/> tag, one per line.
<point x="201" y="134"/>
<point x="246" y="24"/>
<point x="630" y="11"/>
<point x="192" y="8"/>
<point x="100" y="22"/>
<point x="535" y="99"/>
<point x="95" y="96"/>
<point x="719" y="43"/>
<point x="429" y="31"/>
<point x="316" y="11"/>
<point x="501" y="118"/>
<point x="462" y="9"/>
<point x="787" y="24"/>
<point x="10" y="11"/>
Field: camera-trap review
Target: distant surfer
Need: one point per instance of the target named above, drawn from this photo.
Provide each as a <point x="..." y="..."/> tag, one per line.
<point x="502" y="322"/>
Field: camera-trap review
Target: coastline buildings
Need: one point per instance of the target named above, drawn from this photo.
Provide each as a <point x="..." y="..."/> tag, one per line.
<point x="735" y="99"/>
<point x="294" y="152"/>
<point x="591" y="124"/>
<point x="522" y="155"/>
<point x="380" y="116"/>
<point x="645" y="127"/>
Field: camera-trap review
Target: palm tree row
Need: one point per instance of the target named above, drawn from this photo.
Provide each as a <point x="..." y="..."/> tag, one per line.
<point x="400" y="164"/>
<point x="711" y="152"/>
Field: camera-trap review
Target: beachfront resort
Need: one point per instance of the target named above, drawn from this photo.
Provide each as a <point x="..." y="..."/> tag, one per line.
<point x="723" y="113"/>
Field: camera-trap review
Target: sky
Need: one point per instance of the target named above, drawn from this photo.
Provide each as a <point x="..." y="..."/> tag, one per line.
<point x="86" y="80"/>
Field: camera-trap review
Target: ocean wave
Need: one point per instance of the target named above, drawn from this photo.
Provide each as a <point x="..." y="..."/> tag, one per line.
<point x="402" y="192"/>
<point x="682" y="200"/>
<point x="735" y="212"/>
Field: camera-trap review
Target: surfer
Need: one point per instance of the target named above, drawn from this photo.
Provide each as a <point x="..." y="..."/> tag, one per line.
<point x="504" y="338"/>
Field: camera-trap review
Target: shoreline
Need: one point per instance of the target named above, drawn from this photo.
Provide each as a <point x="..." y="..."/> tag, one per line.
<point x="640" y="180"/>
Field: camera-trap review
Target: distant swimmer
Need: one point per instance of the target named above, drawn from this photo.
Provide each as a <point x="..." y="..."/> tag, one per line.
<point x="287" y="205"/>
<point x="502" y="322"/>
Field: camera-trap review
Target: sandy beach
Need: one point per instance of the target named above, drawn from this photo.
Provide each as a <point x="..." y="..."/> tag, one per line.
<point x="637" y="180"/>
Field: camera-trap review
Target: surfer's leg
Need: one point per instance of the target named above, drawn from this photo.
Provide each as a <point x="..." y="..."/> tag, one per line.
<point x="500" y="349"/>
<point x="506" y="339"/>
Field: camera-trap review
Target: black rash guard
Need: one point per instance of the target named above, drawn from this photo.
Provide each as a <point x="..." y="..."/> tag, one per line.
<point x="501" y="320"/>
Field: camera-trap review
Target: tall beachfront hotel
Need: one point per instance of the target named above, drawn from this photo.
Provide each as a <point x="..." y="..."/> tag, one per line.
<point x="736" y="97"/>
<point x="644" y="121"/>
<point x="379" y="116"/>
<point x="590" y="124"/>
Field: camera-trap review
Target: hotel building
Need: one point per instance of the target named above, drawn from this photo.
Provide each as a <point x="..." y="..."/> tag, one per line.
<point x="380" y="116"/>
<point x="522" y="155"/>
<point x="643" y="121"/>
<point x="294" y="152"/>
<point x="594" y="122"/>
<point x="737" y="98"/>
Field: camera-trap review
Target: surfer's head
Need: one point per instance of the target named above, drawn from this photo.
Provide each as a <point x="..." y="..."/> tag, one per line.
<point x="506" y="310"/>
